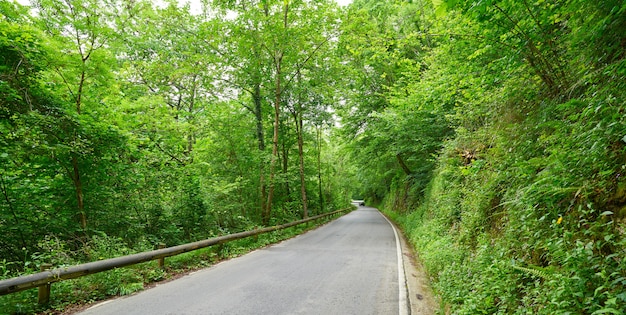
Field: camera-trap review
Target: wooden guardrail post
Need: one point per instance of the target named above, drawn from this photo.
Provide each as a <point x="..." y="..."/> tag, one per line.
<point x="220" y="251"/>
<point x="44" y="289"/>
<point x="162" y="259"/>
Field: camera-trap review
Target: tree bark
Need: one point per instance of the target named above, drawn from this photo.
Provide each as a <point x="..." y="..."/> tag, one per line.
<point x="258" y="113"/>
<point x="191" y="137"/>
<point x="299" y="125"/>
<point x="278" y="59"/>
<point x="78" y="186"/>
<point x="319" y="167"/>
<point x="268" y="206"/>
<point x="403" y="165"/>
<point x="285" y="157"/>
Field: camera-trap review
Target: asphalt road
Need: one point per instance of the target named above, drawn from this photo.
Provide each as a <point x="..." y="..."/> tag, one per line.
<point x="349" y="266"/>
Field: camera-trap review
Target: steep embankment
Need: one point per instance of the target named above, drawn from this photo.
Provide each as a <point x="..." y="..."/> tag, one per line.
<point x="524" y="211"/>
<point x="532" y="222"/>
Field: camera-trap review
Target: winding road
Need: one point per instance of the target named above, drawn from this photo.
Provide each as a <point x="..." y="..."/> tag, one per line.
<point x="349" y="266"/>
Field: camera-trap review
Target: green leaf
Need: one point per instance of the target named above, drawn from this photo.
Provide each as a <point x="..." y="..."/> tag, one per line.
<point x="607" y="311"/>
<point x="441" y="7"/>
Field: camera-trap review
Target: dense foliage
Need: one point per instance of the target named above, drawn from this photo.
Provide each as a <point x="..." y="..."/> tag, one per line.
<point x="495" y="133"/>
<point x="134" y="124"/>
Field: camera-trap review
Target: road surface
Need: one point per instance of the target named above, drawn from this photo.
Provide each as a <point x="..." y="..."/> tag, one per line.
<point x="349" y="266"/>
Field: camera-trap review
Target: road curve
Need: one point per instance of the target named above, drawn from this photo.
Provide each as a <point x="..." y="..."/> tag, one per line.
<point x="349" y="266"/>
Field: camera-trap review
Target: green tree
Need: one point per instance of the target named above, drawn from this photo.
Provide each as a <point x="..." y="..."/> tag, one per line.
<point x="243" y="59"/>
<point x="288" y="39"/>
<point x="84" y="31"/>
<point x="28" y="115"/>
<point x="391" y="112"/>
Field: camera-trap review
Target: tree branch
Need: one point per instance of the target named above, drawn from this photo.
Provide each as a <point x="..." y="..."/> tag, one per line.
<point x="182" y="163"/>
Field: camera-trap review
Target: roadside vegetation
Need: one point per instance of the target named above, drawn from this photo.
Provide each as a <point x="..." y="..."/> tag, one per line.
<point x="72" y="295"/>
<point x="496" y="136"/>
<point x="125" y="124"/>
<point x="493" y="131"/>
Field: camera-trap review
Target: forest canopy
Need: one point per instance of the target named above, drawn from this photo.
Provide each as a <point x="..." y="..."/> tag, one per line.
<point x="154" y="124"/>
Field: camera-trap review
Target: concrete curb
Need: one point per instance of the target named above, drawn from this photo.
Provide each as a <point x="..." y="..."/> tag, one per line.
<point x="421" y="298"/>
<point x="403" y="308"/>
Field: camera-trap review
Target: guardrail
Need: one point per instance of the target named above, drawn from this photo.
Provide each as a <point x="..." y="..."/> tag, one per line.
<point x="43" y="279"/>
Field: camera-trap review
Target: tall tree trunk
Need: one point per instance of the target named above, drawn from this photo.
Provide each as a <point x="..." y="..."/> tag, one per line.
<point x="403" y="165"/>
<point x="297" y="117"/>
<point x="319" y="167"/>
<point x="285" y="157"/>
<point x="305" y="209"/>
<point x="191" y="137"/>
<point x="278" y="60"/>
<point x="268" y="206"/>
<point x="78" y="185"/>
<point x="258" y="113"/>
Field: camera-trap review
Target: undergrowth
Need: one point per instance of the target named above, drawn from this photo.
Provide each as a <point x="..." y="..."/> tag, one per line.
<point x="121" y="281"/>
<point x="535" y="222"/>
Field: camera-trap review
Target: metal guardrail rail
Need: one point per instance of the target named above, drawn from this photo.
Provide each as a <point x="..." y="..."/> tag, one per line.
<point x="45" y="278"/>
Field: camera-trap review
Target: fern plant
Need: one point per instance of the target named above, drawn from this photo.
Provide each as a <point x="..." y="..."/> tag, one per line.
<point x="544" y="273"/>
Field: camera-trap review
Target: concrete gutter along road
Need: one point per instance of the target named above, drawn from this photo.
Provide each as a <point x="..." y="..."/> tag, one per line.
<point x="352" y="265"/>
